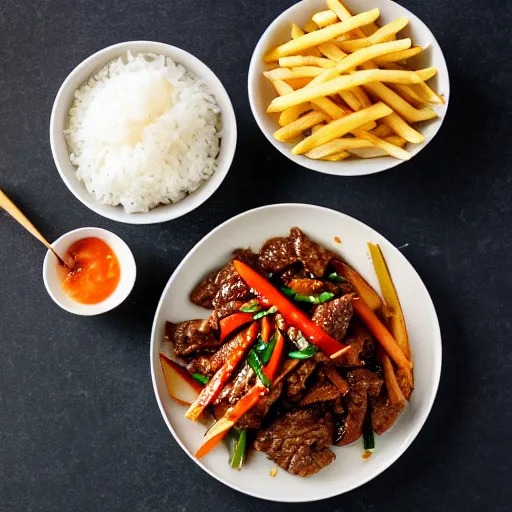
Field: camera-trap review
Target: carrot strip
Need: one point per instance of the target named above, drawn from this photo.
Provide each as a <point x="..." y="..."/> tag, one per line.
<point x="212" y="390"/>
<point x="293" y="315"/>
<point x="382" y="335"/>
<point x="336" y="379"/>
<point x="273" y="365"/>
<point x="232" y="322"/>
<point x="363" y="288"/>
<point x="266" y="327"/>
<point x="396" y="320"/>
<point x="209" y="445"/>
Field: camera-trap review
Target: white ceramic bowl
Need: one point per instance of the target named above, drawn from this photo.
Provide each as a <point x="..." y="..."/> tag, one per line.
<point x="65" y="98"/>
<point x="126" y="263"/>
<point x="261" y="92"/>
<point x="251" y="229"/>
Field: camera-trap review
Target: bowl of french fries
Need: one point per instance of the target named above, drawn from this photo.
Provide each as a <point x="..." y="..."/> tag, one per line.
<point x="348" y="88"/>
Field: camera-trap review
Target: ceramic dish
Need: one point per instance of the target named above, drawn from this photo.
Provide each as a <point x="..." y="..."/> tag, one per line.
<point x="65" y="98"/>
<point x="261" y="91"/>
<point x="251" y="229"/>
<point x="52" y="279"/>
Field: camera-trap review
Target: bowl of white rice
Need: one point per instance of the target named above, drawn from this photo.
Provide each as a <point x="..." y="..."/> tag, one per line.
<point x="142" y="132"/>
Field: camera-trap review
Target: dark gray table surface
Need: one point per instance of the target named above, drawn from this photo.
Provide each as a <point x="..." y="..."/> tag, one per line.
<point x="80" y="428"/>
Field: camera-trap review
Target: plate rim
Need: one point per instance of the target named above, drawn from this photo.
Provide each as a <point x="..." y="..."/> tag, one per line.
<point x="407" y="441"/>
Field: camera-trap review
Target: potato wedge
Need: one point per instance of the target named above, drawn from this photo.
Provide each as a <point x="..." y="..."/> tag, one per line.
<point x="340" y="127"/>
<point x="293" y="130"/>
<point x="321" y="36"/>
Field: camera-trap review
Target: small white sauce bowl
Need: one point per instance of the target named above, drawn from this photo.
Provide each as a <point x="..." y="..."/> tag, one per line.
<point x="52" y="279"/>
<point x="92" y="65"/>
<point x="261" y="92"/>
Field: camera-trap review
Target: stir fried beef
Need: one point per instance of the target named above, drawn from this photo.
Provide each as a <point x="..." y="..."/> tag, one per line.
<point x="311" y="401"/>
<point x="254" y="417"/>
<point x="363" y="383"/>
<point x="191" y="336"/>
<point x="296" y="380"/>
<point x="298" y="442"/>
<point x="230" y="286"/>
<point x="362" y="348"/>
<point x="276" y="254"/>
<point x="384" y="413"/>
<point x="314" y="257"/>
<point x="320" y="392"/>
<point x="334" y="316"/>
<point x="204" y="293"/>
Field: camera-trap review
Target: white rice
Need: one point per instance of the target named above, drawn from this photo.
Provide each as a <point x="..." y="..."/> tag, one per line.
<point x="142" y="132"/>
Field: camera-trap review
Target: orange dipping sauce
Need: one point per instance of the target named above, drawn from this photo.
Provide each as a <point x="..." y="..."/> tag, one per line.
<point x="96" y="273"/>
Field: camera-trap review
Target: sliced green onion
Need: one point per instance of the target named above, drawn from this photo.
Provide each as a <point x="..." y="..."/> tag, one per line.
<point x="303" y="354"/>
<point x="336" y="278"/>
<point x="261" y="314"/>
<point x="368" y="437"/>
<point x="203" y="379"/>
<point x="250" y="307"/>
<point x="239" y="450"/>
<point x="260" y="346"/>
<point x="287" y="291"/>
<point x="269" y="348"/>
<point x="257" y="366"/>
<point x="312" y="299"/>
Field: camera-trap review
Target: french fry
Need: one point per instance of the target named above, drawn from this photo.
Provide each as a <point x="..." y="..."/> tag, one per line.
<point x="365" y="54"/>
<point x="390" y="149"/>
<point x="349" y="98"/>
<point x="281" y="87"/>
<point x="382" y="35"/>
<point x="327" y="75"/>
<point x="396" y="140"/>
<point x="329" y="107"/>
<point x="408" y="93"/>
<point x="426" y="74"/>
<point x="317" y="127"/>
<point x="343" y="14"/>
<point x="310" y="26"/>
<point x="398" y="56"/>
<point x="293" y="130"/>
<point x="299" y="72"/>
<point x="340" y="127"/>
<point x="293" y="113"/>
<point x="361" y="96"/>
<point x="400" y="127"/>
<point x="321" y="36"/>
<point x="299" y="83"/>
<point x="382" y="130"/>
<point x="428" y="94"/>
<point x="305" y="60"/>
<point x="296" y="31"/>
<point x="398" y="104"/>
<point x="342" y="83"/>
<point x="337" y="145"/>
<point x="336" y="157"/>
<point x="325" y="18"/>
<point x="331" y="51"/>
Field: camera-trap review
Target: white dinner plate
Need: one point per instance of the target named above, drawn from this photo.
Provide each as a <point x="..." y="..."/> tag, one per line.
<point x="251" y="229"/>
